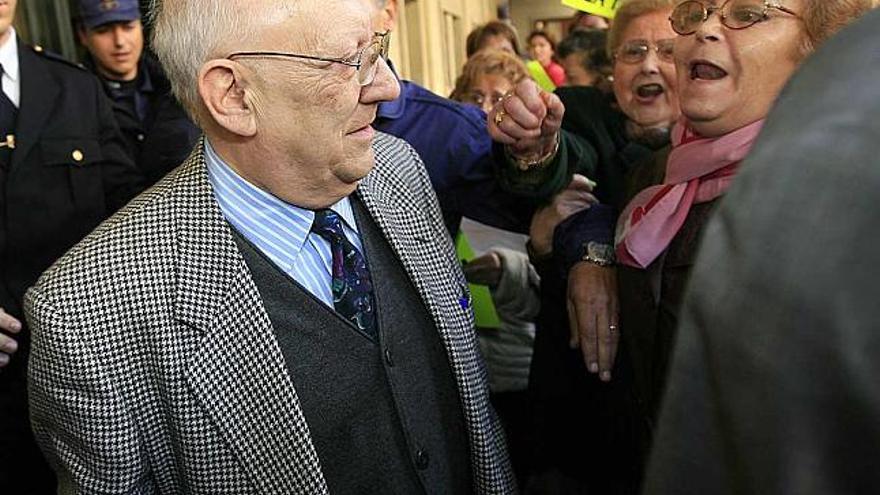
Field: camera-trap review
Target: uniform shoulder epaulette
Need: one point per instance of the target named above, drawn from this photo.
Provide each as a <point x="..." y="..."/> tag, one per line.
<point x="39" y="50"/>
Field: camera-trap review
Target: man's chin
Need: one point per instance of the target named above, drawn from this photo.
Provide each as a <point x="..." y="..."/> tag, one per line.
<point x="353" y="172"/>
<point x="119" y="72"/>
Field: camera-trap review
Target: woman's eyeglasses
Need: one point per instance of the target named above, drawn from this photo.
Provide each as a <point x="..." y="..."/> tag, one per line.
<point x="636" y="51"/>
<point x="687" y="17"/>
<point x="478" y="98"/>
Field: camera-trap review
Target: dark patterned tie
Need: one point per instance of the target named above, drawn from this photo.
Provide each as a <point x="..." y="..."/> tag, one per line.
<point x="352" y="286"/>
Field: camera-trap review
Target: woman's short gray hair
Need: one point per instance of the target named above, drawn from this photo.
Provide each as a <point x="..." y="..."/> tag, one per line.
<point x="188" y="33"/>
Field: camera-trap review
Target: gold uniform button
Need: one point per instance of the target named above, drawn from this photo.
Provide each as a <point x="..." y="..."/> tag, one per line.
<point x="38" y="48"/>
<point x="77" y="156"/>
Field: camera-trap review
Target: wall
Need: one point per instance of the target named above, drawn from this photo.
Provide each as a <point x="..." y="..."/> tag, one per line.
<point x="46" y="23"/>
<point x="428" y="43"/>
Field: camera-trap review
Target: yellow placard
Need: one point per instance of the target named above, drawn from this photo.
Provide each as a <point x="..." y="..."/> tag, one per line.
<point x="602" y="8"/>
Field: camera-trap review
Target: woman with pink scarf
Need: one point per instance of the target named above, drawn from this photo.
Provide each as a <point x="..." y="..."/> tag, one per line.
<point x="733" y="59"/>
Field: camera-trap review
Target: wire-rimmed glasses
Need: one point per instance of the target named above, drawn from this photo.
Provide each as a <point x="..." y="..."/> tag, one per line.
<point x="687" y="17"/>
<point x="635" y="51"/>
<point x="365" y="61"/>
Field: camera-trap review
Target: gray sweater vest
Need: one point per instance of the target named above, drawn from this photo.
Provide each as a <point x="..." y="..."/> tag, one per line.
<point x="386" y="417"/>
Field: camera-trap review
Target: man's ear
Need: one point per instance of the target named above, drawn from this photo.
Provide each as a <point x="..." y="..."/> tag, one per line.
<point x="82" y="35"/>
<point x="224" y="92"/>
<point x="389" y="15"/>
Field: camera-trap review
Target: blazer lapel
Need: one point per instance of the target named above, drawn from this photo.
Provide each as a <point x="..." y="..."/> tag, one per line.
<point x="422" y="246"/>
<point x="400" y="217"/>
<point x="39" y="90"/>
<point x="238" y="373"/>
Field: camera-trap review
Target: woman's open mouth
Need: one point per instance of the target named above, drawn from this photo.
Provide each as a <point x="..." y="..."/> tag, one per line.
<point x="648" y="91"/>
<point x="706" y="71"/>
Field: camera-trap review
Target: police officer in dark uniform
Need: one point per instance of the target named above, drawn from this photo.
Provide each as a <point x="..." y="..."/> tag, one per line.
<point x="63" y="169"/>
<point x="158" y="133"/>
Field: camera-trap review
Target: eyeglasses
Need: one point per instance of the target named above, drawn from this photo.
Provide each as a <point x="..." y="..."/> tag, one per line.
<point x="477" y="98"/>
<point x="365" y="61"/>
<point x="735" y="14"/>
<point x="636" y="51"/>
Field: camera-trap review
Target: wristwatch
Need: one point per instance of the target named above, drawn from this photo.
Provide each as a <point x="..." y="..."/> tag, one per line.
<point x="598" y="254"/>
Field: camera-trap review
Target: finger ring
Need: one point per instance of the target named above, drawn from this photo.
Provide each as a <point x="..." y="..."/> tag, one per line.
<point x="612" y="328"/>
<point x="499" y="116"/>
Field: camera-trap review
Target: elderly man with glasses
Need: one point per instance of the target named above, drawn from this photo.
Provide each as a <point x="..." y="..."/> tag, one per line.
<point x="283" y="313"/>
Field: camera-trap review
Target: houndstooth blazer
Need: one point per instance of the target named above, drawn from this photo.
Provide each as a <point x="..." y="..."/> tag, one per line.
<point x="155" y="368"/>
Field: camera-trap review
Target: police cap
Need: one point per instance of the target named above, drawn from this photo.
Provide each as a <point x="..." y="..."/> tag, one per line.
<point x="94" y="13"/>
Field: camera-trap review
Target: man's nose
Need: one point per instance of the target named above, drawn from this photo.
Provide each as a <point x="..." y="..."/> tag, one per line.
<point x="384" y="86"/>
<point x="118" y="36"/>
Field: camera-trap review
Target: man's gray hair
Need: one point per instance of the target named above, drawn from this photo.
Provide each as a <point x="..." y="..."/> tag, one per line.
<point x="188" y="33"/>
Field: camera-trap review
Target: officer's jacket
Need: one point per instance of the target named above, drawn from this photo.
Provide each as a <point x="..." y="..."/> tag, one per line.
<point x="68" y="172"/>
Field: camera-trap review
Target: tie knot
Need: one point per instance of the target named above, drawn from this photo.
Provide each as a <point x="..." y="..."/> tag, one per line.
<point x="327" y="223"/>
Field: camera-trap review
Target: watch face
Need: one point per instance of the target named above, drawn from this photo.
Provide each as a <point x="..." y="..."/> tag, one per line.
<point x="599" y="253"/>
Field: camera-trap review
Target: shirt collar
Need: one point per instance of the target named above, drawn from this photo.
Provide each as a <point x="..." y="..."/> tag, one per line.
<point x="144" y="80"/>
<point x="9" y="56"/>
<point x="296" y="222"/>
<point x="393" y="109"/>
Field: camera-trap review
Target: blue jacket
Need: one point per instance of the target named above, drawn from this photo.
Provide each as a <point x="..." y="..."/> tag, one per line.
<point x="455" y="145"/>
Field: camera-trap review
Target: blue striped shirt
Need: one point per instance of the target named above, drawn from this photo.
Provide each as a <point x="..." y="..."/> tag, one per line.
<point x="278" y="229"/>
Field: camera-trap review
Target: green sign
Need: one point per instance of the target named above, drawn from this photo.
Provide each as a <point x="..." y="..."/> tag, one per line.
<point x="485" y="315"/>
<point x="540" y="76"/>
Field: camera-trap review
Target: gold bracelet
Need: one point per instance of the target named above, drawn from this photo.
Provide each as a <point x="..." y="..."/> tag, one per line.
<point x="529" y="162"/>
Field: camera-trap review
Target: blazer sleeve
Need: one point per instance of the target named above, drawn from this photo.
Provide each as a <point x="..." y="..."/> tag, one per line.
<point x="122" y="180"/>
<point x="79" y="420"/>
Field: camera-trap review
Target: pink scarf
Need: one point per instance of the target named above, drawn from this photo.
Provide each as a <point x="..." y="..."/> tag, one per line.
<point x="699" y="170"/>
